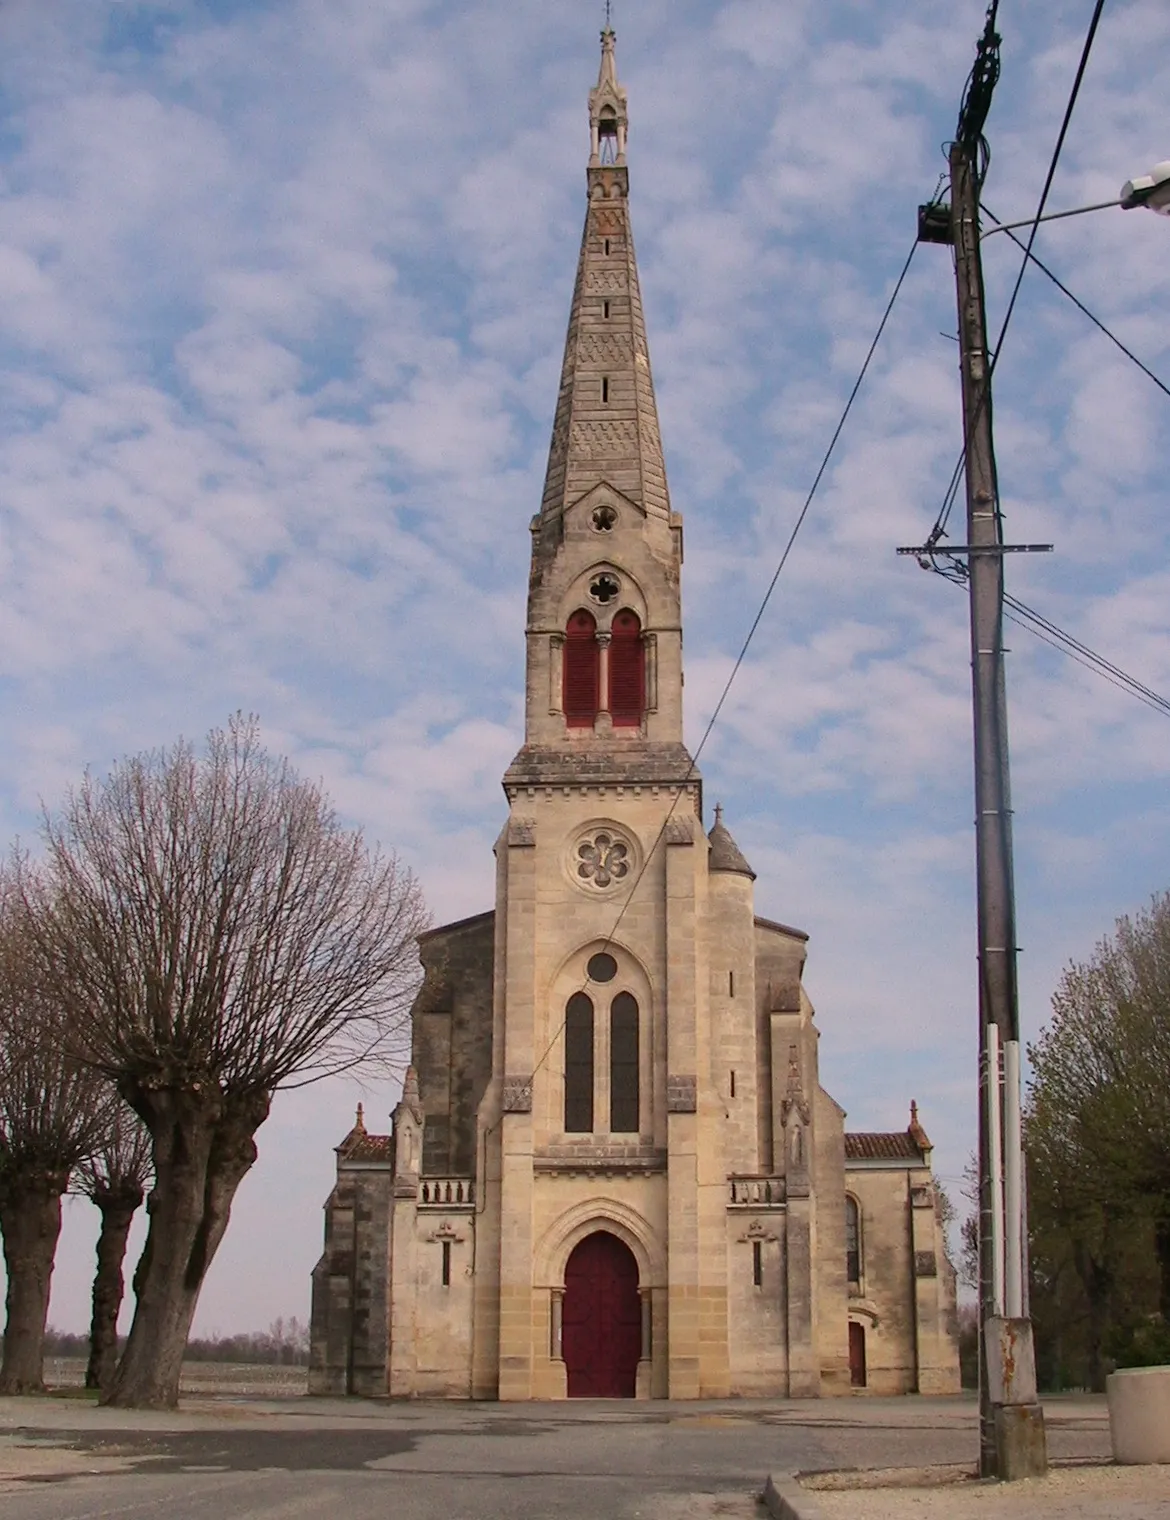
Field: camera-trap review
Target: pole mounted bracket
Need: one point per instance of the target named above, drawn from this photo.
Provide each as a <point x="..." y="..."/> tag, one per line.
<point x="924" y="549"/>
<point x="934" y="223"/>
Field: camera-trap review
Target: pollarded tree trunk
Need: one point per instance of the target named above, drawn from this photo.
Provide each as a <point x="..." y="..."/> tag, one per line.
<point x="201" y="1155"/>
<point x="30" y="1217"/>
<point x="117" y="1211"/>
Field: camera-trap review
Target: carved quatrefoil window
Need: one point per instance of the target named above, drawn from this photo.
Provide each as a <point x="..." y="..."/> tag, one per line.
<point x="603" y="859"/>
<point x="604" y="588"/>
<point x="603" y="519"/>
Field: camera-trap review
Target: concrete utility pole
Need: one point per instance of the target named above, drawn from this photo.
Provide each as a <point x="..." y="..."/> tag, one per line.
<point x="1012" y="1443"/>
<point x="1011" y="1420"/>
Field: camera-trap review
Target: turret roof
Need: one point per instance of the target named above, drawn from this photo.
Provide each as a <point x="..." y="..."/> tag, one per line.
<point x="725" y="854"/>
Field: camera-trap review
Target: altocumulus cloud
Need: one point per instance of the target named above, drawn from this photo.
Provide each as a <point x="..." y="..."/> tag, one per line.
<point x="282" y="295"/>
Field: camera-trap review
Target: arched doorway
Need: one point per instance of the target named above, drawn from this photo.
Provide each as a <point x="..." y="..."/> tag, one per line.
<point x="601" y="1324"/>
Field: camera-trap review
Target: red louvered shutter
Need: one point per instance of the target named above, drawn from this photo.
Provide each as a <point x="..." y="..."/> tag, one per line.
<point x="582" y="679"/>
<point x="627" y="671"/>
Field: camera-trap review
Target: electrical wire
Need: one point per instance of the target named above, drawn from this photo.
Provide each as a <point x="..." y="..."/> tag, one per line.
<point x="1048" y="178"/>
<point x="1043" y="628"/>
<point x="682" y="783"/>
<point x="1080" y="305"/>
<point x="978" y="111"/>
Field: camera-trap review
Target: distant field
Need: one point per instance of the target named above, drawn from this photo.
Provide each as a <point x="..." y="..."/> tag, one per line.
<point x="206" y="1379"/>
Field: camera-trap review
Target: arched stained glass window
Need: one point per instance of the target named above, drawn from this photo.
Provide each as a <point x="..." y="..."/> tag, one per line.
<point x="623" y="1065"/>
<point x="582" y="670"/>
<point x="579" y="1065"/>
<point x="627" y="671"/>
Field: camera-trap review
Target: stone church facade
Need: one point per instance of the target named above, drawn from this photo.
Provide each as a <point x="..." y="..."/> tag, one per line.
<point x="614" y="1171"/>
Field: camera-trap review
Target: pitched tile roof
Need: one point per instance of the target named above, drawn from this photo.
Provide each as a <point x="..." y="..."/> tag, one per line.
<point x="896" y="1147"/>
<point x="366" y="1148"/>
<point x="360" y="1145"/>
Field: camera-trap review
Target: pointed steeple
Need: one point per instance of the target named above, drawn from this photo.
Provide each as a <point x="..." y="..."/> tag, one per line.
<point x="606" y="423"/>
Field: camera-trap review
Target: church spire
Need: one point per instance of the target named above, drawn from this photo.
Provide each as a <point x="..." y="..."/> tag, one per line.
<point x="604" y="677"/>
<point x="606" y="425"/>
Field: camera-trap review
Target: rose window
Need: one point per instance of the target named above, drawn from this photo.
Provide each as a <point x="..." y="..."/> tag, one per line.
<point x="603" y="859"/>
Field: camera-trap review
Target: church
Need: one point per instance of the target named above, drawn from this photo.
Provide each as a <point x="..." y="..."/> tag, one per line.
<point x="613" y="1172"/>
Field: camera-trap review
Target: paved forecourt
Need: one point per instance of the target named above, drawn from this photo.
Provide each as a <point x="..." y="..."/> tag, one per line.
<point x="64" y="1459"/>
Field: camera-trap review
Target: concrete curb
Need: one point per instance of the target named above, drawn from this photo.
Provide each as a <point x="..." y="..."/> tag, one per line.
<point x="784" y="1499"/>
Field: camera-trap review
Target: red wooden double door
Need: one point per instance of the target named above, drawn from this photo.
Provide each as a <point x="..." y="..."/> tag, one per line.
<point x="601" y="1321"/>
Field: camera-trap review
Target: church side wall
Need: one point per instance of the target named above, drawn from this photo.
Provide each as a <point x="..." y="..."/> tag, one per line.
<point x="734" y="1065"/>
<point x="452" y="1039"/>
<point x="348" y="1325"/>
<point x="443" y="1311"/>
<point x="885" y="1306"/>
<point x="757" y="1310"/>
<point x="829" y="1191"/>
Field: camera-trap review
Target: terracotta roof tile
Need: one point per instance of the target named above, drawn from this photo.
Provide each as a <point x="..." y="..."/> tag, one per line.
<point x="366" y="1148"/>
<point x="897" y="1147"/>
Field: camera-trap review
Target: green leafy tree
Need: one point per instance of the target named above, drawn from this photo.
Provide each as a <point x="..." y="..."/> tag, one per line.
<point x="1098" y="1147"/>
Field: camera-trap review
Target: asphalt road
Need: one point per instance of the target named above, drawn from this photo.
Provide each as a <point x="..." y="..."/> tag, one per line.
<point x="312" y="1459"/>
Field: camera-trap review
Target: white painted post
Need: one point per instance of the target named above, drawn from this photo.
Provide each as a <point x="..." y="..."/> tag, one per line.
<point x="1013" y="1193"/>
<point x="995" y="1157"/>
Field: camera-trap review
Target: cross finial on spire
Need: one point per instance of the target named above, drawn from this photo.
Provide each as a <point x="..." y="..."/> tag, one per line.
<point x="718" y="814"/>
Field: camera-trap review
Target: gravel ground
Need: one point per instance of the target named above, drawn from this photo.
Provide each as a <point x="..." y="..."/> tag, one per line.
<point x="1079" y="1492"/>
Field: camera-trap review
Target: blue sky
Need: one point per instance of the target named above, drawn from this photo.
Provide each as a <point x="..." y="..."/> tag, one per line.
<point x="283" y="290"/>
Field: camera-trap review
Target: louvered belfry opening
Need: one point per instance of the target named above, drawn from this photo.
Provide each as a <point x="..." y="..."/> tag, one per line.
<point x="582" y="676"/>
<point x="627" y="671"/>
<point x="623" y="1065"/>
<point x="579" y="1065"/>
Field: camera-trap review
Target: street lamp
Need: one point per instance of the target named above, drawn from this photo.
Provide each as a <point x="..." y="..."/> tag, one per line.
<point x="1152" y="190"/>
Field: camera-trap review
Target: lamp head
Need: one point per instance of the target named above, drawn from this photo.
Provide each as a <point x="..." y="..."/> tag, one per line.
<point x="1152" y="190"/>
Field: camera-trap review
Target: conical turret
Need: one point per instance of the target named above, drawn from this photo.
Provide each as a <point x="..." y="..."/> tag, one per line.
<point x="725" y="853"/>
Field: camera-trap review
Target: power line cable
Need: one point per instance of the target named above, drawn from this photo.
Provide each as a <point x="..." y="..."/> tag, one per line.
<point x="1060" y="639"/>
<point x="1056" y="152"/>
<point x="751" y="633"/>
<point x="971" y="119"/>
<point x="1080" y="305"/>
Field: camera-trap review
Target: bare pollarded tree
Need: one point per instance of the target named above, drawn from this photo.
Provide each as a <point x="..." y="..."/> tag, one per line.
<point x="51" y="1114"/>
<point x="114" y="1179"/>
<point x="216" y="934"/>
